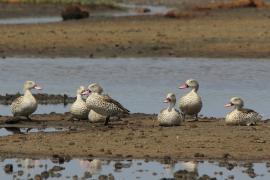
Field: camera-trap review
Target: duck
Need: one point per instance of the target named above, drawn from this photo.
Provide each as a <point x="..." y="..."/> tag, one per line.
<point x="78" y="109"/>
<point x="169" y="116"/>
<point x="94" y="116"/>
<point x="191" y="103"/>
<point x="240" y="115"/>
<point x="25" y="105"/>
<point x="103" y="104"/>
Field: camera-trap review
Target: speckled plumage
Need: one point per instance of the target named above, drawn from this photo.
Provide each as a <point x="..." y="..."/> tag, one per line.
<point x="25" y="105"/>
<point x="104" y="105"/>
<point x="240" y="115"/>
<point x="191" y="103"/>
<point x="170" y="116"/>
<point x="94" y="116"/>
<point x="79" y="109"/>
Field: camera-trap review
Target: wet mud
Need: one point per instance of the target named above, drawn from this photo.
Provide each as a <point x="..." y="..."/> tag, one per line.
<point x="137" y="136"/>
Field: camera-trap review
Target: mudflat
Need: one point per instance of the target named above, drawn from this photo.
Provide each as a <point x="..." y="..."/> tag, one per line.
<point x="222" y="33"/>
<point x="138" y="136"/>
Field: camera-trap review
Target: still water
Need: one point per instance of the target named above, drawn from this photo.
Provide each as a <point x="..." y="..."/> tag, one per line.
<point x="14" y="130"/>
<point x="130" y="169"/>
<point x="140" y="84"/>
<point x="54" y="19"/>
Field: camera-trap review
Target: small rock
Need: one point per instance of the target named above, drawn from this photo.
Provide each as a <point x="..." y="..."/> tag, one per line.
<point x="45" y="174"/>
<point x="75" y="177"/>
<point x="206" y="177"/>
<point x="87" y="175"/>
<point x="142" y="10"/>
<point x="226" y="156"/>
<point x="38" y="177"/>
<point x="110" y="177"/>
<point x="71" y="143"/>
<point x="8" y="168"/>
<point x="57" y="168"/>
<point x="184" y="174"/>
<point x="198" y="155"/>
<point x="118" y="165"/>
<point x="20" y="173"/>
<point x="102" y="177"/>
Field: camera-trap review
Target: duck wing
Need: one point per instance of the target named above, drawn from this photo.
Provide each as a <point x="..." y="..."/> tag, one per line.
<point x="244" y="110"/>
<point x="108" y="99"/>
<point x="16" y="103"/>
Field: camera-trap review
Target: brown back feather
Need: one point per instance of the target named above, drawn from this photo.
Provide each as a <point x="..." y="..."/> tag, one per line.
<point x="108" y="99"/>
<point x="244" y="110"/>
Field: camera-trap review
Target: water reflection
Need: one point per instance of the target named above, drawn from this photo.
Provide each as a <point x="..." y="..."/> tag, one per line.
<point x="15" y="130"/>
<point x="132" y="169"/>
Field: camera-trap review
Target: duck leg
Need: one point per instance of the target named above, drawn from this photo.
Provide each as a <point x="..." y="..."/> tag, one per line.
<point x="28" y="118"/>
<point x="196" y="118"/>
<point x="107" y="120"/>
<point x="184" y="117"/>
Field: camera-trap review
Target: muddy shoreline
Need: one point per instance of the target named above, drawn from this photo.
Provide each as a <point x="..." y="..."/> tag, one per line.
<point x="138" y="137"/>
<point x="216" y="34"/>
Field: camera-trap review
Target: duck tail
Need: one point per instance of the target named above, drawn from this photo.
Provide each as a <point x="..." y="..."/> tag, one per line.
<point x="126" y="111"/>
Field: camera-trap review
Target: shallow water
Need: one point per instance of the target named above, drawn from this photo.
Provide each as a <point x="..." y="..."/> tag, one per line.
<point x="42" y="109"/>
<point x="53" y="19"/>
<point x="133" y="169"/>
<point x="31" y="20"/>
<point x="140" y="84"/>
<point x="14" y="130"/>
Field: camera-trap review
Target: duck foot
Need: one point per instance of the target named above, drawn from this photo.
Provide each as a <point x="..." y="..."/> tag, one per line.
<point x="28" y="118"/>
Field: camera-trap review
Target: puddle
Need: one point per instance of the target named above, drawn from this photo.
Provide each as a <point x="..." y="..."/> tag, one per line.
<point x="154" y="9"/>
<point x="133" y="169"/>
<point x="53" y="19"/>
<point x="30" y="20"/>
<point x="14" y="130"/>
<point x="42" y="109"/>
<point x="140" y="84"/>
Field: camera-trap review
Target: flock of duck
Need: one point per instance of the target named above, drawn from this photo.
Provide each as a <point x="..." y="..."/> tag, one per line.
<point x="99" y="106"/>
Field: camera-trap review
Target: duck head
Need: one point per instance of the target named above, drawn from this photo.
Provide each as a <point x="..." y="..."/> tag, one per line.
<point x="81" y="90"/>
<point x="190" y="83"/>
<point x="237" y="102"/>
<point x="170" y="98"/>
<point x="28" y="85"/>
<point x="93" y="88"/>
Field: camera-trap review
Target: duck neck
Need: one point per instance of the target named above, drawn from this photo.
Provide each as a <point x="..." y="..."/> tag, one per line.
<point x="238" y="107"/>
<point x="27" y="93"/>
<point x="195" y="89"/>
<point x="171" y="105"/>
<point x="79" y="96"/>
